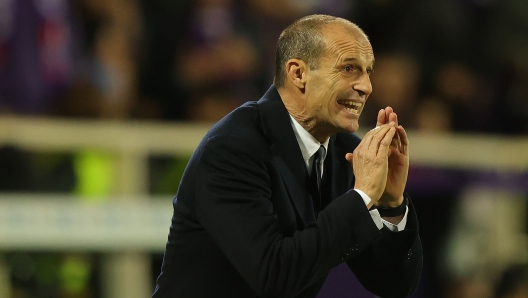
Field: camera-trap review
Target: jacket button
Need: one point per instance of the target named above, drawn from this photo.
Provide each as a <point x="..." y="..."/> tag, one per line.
<point x="409" y="254"/>
<point x="355" y="247"/>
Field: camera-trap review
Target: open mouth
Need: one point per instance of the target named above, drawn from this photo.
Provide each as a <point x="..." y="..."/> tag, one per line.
<point x="351" y="106"/>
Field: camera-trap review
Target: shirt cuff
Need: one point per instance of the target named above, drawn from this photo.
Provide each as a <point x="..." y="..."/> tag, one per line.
<point x="373" y="213"/>
<point x="398" y="227"/>
<point x="376" y="217"/>
<point x="364" y="196"/>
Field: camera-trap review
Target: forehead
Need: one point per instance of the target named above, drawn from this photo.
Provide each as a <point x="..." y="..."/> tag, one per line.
<point x="344" y="42"/>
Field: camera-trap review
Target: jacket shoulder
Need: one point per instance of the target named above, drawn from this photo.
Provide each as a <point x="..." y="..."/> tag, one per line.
<point x="241" y="119"/>
<point x="347" y="140"/>
<point x="241" y="126"/>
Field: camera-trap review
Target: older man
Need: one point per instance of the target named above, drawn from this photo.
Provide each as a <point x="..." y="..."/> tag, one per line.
<point x="281" y="191"/>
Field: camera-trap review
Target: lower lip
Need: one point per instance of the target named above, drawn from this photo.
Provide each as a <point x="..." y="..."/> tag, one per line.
<point x="346" y="110"/>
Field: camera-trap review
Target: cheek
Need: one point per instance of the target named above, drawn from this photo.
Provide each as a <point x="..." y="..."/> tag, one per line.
<point x="331" y="100"/>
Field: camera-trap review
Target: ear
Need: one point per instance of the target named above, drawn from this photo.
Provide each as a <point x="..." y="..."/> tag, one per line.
<point x="296" y="72"/>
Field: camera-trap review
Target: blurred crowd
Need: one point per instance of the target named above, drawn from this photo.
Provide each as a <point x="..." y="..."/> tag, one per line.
<point x="449" y="65"/>
<point x="444" y="66"/>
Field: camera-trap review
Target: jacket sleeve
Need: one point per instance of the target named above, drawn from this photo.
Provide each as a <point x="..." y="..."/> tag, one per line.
<point x="234" y="204"/>
<point x="391" y="267"/>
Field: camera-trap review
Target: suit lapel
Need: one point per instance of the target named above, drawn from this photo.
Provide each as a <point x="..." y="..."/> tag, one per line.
<point x="277" y="128"/>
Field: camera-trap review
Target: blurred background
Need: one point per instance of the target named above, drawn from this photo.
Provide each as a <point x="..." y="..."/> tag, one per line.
<point x="103" y="101"/>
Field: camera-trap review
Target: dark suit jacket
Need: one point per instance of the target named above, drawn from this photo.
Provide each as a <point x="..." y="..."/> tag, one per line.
<point x="244" y="224"/>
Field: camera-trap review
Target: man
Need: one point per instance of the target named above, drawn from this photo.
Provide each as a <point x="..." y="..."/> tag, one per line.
<point x="248" y="222"/>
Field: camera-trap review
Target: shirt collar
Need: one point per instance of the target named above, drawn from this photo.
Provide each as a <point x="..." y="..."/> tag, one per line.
<point x="308" y="144"/>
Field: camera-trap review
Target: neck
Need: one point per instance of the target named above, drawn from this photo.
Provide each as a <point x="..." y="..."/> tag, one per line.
<point x="295" y="105"/>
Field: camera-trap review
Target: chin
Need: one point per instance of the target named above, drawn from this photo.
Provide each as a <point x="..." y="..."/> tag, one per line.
<point x="350" y="128"/>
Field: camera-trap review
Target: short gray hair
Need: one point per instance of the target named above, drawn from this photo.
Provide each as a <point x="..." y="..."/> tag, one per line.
<point x="303" y="40"/>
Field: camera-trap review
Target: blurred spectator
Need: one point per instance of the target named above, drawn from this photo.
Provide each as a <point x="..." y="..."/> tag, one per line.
<point x="82" y="99"/>
<point x="507" y="37"/>
<point x="166" y="23"/>
<point x="507" y="44"/>
<point x="469" y="96"/>
<point x="218" y="61"/>
<point x="39" y="76"/>
<point x="433" y="115"/>
<point x="36" y="57"/>
<point x="511" y="105"/>
<point x="210" y="106"/>
<point x="396" y="83"/>
<point x="105" y="81"/>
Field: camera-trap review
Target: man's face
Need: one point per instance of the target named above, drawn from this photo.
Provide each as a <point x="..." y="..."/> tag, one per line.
<point x="337" y="90"/>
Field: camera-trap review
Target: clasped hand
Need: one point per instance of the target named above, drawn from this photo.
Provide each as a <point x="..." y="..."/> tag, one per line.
<point x="381" y="161"/>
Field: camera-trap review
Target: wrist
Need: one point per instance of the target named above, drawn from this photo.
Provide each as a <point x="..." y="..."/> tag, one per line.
<point x="391" y="210"/>
<point x="389" y="201"/>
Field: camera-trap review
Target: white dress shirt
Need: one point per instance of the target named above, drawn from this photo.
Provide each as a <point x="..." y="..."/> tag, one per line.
<point x="309" y="145"/>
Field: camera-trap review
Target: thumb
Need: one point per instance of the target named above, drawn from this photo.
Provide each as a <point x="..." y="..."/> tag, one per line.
<point x="349" y="157"/>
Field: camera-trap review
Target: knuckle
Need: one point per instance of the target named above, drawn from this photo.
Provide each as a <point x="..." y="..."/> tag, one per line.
<point x="384" y="142"/>
<point x="377" y="136"/>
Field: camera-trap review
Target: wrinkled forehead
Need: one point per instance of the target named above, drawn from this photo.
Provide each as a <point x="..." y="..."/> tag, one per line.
<point x="345" y="39"/>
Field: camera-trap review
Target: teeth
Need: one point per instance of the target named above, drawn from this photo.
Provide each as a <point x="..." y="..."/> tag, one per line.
<point x="351" y="106"/>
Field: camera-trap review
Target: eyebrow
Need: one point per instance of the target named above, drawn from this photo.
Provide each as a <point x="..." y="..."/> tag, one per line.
<point x="355" y="59"/>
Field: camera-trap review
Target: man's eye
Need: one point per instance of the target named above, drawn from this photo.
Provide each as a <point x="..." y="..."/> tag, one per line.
<point x="348" y="68"/>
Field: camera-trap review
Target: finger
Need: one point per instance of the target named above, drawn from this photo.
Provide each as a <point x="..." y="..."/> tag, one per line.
<point x="377" y="134"/>
<point x="381" y="117"/>
<point x="384" y="144"/>
<point x="388" y="111"/>
<point x="375" y="129"/>
<point x="349" y="157"/>
<point x="393" y="117"/>
<point x="368" y="136"/>
<point x="395" y="142"/>
<point x="374" y="136"/>
<point x="404" y="140"/>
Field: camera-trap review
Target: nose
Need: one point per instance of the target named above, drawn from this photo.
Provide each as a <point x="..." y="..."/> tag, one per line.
<point x="363" y="85"/>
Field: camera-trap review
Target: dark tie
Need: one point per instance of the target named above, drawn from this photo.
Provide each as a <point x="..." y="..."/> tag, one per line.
<point x="315" y="179"/>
